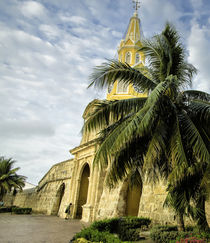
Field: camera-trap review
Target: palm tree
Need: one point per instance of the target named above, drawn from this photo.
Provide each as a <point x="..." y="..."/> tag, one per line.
<point x="165" y="134"/>
<point x="8" y="178"/>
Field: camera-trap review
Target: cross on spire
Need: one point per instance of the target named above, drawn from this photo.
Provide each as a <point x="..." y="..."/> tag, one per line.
<point x="136" y="4"/>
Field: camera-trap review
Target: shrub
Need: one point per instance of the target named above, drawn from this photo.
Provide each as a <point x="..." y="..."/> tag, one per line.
<point x="203" y="237"/>
<point x="133" y="222"/>
<point x="81" y="240"/>
<point x="130" y="234"/>
<point x="164" y="234"/>
<point x="128" y="228"/>
<point x="109" y="225"/>
<point x="6" y="209"/>
<point x="21" y="210"/>
<point x="97" y="236"/>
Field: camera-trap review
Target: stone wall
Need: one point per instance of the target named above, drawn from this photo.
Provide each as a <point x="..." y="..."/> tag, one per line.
<point x="112" y="202"/>
<point x="52" y="194"/>
<point x="151" y="204"/>
<point x="101" y="202"/>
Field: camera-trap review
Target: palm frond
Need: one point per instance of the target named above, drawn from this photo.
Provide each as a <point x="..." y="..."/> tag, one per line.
<point x="166" y="56"/>
<point x="155" y="158"/>
<point x="114" y="70"/>
<point x="126" y="162"/>
<point x="107" y="112"/>
<point x="194" y="139"/>
<point x="103" y="154"/>
<point x="177" y="154"/>
<point x="197" y="95"/>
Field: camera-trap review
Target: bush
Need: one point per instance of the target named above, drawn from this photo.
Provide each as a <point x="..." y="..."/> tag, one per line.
<point x="203" y="237"/>
<point x="109" y="225"/>
<point x="21" y="210"/>
<point x="128" y="228"/>
<point x="82" y="240"/>
<point x="133" y="222"/>
<point x="6" y="209"/>
<point x="130" y="235"/>
<point x="97" y="236"/>
<point x="164" y="234"/>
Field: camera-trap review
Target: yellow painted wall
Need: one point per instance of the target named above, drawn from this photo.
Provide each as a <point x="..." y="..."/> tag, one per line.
<point x="129" y="46"/>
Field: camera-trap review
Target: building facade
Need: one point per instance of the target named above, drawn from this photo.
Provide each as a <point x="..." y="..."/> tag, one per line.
<point x="76" y="181"/>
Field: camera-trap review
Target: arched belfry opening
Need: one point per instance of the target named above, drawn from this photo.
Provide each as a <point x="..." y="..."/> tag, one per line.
<point x="58" y="199"/>
<point x="83" y="190"/>
<point x="132" y="201"/>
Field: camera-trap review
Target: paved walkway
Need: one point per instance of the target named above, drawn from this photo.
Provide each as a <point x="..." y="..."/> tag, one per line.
<point x="36" y="229"/>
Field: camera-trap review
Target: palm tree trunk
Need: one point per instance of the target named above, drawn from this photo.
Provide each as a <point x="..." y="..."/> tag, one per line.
<point x="201" y="215"/>
<point x="180" y="222"/>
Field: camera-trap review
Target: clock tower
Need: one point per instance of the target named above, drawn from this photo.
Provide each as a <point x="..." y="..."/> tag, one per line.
<point x="128" y="52"/>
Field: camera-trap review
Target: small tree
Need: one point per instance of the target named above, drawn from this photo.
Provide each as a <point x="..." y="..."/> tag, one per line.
<point x="8" y="178"/>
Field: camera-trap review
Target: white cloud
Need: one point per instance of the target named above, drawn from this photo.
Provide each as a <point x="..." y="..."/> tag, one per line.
<point x="32" y="9"/>
<point x="78" y="20"/>
<point x="48" y="50"/>
<point x="200" y="55"/>
<point x="49" y="31"/>
<point x="22" y="129"/>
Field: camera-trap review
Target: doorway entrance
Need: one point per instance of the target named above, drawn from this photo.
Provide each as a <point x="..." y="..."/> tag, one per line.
<point x="132" y="201"/>
<point x="83" y="191"/>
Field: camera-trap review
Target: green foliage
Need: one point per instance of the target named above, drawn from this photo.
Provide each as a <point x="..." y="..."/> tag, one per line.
<point x="165" y="234"/>
<point x="94" y="235"/>
<point x="17" y="210"/>
<point x="81" y="240"/>
<point x="129" y="234"/>
<point x="203" y="237"/>
<point x="134" y="222"/>
<point x="109" y="225"/>
<point x="127" y="228"/>
<point x="5" y="209"/>
<point x="8" y="178"/>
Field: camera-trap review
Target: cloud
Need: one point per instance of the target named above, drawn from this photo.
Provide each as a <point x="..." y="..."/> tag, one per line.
<point x="22" y="129"/>
<point x="199" y="55"/>
<point x="32" y="9"/>
<point x="48" y="51"/>
<point x="78" y="20"/>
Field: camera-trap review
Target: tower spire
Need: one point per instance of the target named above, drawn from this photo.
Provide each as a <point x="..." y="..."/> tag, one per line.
<point x="128" y="52"/>
<point x="136" y="5"/>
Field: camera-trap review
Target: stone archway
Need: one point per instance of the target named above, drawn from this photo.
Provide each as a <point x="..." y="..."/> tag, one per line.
<point x="83" y="190"/>
<point x="58" y="199"/>
<point x="132" y="201"/>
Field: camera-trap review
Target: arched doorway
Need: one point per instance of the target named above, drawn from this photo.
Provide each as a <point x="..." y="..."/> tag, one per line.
<point x="83" y="191"/>
<point x="58" y="199"/>
<point x="132" y="201"/>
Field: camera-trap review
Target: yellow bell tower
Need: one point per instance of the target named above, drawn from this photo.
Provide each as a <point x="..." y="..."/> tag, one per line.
<point x="128" y="53"/>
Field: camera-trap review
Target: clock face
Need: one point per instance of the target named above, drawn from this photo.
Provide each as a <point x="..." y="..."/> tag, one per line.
<point x="137" y="89"/>
<point x="110" y="88"/>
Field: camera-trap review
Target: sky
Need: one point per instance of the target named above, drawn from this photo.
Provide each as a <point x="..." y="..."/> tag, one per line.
<point x="48" y="49"/>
